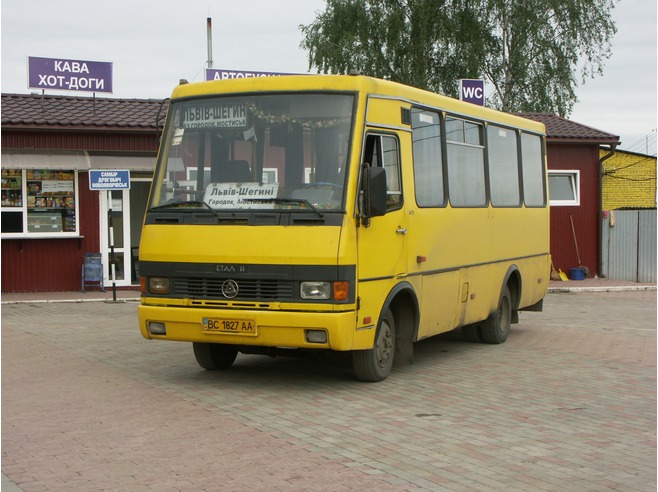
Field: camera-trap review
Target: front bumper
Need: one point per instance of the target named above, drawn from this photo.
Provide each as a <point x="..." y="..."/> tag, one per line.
<point x="273" y="328"/>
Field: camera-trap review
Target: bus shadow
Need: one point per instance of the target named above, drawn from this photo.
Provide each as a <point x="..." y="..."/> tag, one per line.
<point x="434" y="347"/>
<point x="295" y="369"/>
<point x="325" y="367"/>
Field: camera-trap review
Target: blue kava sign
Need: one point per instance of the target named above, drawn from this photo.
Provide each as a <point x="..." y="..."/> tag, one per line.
<point x="69" y="75"/>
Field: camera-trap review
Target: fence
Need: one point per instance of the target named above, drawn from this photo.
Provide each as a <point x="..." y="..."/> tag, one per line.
<point x="629" y="245"/>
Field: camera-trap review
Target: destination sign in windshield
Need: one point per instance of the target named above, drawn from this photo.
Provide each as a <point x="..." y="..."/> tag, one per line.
<point x="215" y="116"/>
<point x="240" y="195"/>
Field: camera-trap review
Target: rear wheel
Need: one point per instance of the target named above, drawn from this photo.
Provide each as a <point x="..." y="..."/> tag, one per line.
<point x="375" y="364"/>
<point x="471" y="333"/>
<point x="496" y="327"/>
<point x="214" y="356"/>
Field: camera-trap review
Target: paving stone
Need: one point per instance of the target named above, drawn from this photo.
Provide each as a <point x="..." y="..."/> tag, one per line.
<point x="567" y="403"/>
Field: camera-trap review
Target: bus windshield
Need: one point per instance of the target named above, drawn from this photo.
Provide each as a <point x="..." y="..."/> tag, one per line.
<point x="276" y="152"/>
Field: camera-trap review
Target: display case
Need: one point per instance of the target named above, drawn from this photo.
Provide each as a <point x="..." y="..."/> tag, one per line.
<point x="44" y="222"/>
<point x="12" y="188"/>
<point x="38" y="201"/>
<point x="50" y="193"/>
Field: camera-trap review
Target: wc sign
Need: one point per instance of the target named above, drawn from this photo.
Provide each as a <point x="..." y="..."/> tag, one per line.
<point x="472" y="90"/>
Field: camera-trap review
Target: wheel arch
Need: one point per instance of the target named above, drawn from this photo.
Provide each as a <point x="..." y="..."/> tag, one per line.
<point x="514" y="283"/>
<point x="403" y="302"/>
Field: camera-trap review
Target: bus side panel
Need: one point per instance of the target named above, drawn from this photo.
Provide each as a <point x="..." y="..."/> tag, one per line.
<point x="440" y="304"/>
<point x="535" y="274"/>
<point x="474" y="249"/>
<point x="480" y="291"/>
<point x="470" y="295"/>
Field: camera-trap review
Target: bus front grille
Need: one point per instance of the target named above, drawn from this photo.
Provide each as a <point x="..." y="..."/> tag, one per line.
<point x="248" y="289"/>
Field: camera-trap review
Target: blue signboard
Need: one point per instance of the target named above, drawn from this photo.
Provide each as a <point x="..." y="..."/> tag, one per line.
<point x="69" y="75"/>
<point x="108" y="179"/>
<point x="472" y="90"/>
<point x="221" y="74"/>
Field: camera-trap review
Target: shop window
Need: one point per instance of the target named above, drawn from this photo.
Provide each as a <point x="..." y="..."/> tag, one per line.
<point x="564" y="188"/>
<point x="12" y="200"/>
<point x="38" y="202"/>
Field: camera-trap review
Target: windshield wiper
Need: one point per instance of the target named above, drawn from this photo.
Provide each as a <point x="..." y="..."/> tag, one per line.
<point x="182" y="204"/>
<point x="290" y="200"/>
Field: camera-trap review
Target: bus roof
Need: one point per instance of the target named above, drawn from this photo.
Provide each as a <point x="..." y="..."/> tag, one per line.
<point x="353" y="83"/>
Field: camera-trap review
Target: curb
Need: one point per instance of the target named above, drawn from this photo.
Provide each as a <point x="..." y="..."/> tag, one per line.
<point x="8" y="485"/>
<point x="623" y="288"/>
<point x="71" y="301"/>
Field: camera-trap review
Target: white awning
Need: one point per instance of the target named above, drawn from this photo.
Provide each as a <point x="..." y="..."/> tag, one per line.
<point x="122" y="162"/>
<point x="72" y="160"/>
<point x="32" y="159"/>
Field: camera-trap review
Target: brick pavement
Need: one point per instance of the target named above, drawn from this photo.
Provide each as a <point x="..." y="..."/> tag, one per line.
<point x="568" y="403"/>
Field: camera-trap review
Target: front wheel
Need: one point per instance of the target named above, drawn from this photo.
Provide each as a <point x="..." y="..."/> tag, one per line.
<point x="214" y="356"/>
<point x="496" y="327"/>
<point x="375" y="364"/>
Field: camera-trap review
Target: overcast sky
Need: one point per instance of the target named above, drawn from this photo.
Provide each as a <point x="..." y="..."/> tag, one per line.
<point x="154" y="43"/>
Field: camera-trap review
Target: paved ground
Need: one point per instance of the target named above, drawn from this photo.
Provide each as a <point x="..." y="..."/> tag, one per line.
<point x="567" y="404"/>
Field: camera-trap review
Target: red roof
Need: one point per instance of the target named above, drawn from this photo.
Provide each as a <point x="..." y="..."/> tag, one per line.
<point x="37" y="111"/>
<point x="559" y="128"/>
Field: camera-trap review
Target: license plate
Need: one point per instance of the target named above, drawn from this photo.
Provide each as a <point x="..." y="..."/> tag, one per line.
<point x="234" y="326"/>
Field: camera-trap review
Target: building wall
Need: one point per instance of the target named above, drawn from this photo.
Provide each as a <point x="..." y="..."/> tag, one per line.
<point x="106" y="141"/>
<point x="629" y="181"/>
<point x="585" y="217"/>
<point x="53" y="265"/>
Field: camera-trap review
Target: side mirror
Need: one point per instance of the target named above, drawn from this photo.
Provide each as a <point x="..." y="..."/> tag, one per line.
<point x="374" y="191"/>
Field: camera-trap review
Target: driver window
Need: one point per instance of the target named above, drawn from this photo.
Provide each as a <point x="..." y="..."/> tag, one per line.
<point x="383" y="151"/>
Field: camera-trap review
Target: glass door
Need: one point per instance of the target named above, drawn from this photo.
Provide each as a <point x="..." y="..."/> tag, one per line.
<point x="115" y="237"/>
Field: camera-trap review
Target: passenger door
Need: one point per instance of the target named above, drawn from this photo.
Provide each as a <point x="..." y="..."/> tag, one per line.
<point x="382" y="249"/>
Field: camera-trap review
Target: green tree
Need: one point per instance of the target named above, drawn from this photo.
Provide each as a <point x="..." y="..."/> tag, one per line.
<point x="532" y="53"/>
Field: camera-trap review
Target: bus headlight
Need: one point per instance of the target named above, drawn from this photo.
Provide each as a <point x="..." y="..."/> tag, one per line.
<point x="158" y="285"/>
<point x="315" y="290"/>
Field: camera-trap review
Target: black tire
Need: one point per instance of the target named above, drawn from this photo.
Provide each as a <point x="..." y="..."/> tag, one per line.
<point x="214" y="356"/>
<point x="496" y="327"/>
<point x="471" y="333"/>
<point x="375" y="364"/>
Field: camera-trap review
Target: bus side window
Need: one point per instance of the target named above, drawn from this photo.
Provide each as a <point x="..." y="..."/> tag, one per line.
<point x="383" y="151"/>
<point x="465" y="155"/>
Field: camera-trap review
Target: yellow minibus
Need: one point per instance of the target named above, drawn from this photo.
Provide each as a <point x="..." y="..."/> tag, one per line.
<point x="340" y="213"/>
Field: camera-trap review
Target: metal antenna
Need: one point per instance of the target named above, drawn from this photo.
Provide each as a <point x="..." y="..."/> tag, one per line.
<point x="210" y="42"/>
